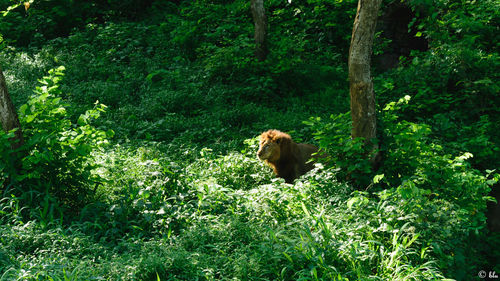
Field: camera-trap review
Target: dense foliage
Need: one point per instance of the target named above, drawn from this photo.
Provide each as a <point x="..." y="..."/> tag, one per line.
<point x="139" y="160"/>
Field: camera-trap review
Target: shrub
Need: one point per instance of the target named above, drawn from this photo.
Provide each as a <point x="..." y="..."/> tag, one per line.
<point x="349" y="155"/>
<point x="440" y="194"/>
<point x="453" y="85"/>
<point x="56" y="157"/>
<point x="50" y="19"/>
<point x="144" y="193"/>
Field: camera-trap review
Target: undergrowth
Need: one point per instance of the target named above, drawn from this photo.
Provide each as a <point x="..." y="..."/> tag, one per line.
<point x="139" y="161"/>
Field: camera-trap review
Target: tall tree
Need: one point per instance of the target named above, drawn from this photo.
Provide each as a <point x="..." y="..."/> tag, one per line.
<point x="260" y="35"/>
<point x="360" y="82"/>
<point x="8" y="114"/>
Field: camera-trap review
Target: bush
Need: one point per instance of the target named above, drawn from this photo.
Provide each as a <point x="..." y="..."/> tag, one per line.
<point x="49" y="19"/>
<point x="453" y="85"/>
<point x="56" y="161"/>
<point x="349" y="155"/>
<point x="143" y="194"/>
<point x="416" y="172"/>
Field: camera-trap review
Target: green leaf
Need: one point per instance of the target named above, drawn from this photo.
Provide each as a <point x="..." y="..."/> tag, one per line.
<point x="30" y="118"/>
<point x="352" y="201"/>
<point x="82" y="120"/>
<point x="110" y="133"/>
<point x="23" y="108"/>
<point x="288" y="257"/>
<point x="10" y="8"/>
<point x="378" y="178"/>
<point x="314" y="273"/>
<point x="304" y="208"/>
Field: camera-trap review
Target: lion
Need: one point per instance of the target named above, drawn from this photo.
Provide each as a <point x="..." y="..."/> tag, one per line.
<point x="289" y="160"/>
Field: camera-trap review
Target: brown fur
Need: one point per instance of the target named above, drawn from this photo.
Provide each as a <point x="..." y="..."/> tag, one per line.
<point x="288" y="159"/>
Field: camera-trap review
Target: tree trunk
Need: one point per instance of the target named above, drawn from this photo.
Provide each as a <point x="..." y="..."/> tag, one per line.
<point x="8" y="114"/>
<point x="260" y="36"/>
<point x="360" y="83"/>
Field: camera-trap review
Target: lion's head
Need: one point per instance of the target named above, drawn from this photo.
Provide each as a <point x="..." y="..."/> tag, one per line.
<point x="288" y="159"/>
<point x="272" y="143"/>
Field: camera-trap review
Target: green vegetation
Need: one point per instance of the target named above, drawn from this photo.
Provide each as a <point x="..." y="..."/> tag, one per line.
<point x="140" y="125"/>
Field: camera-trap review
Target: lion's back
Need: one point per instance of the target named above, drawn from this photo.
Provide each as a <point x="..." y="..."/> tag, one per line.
<point x="305" y="153"/>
